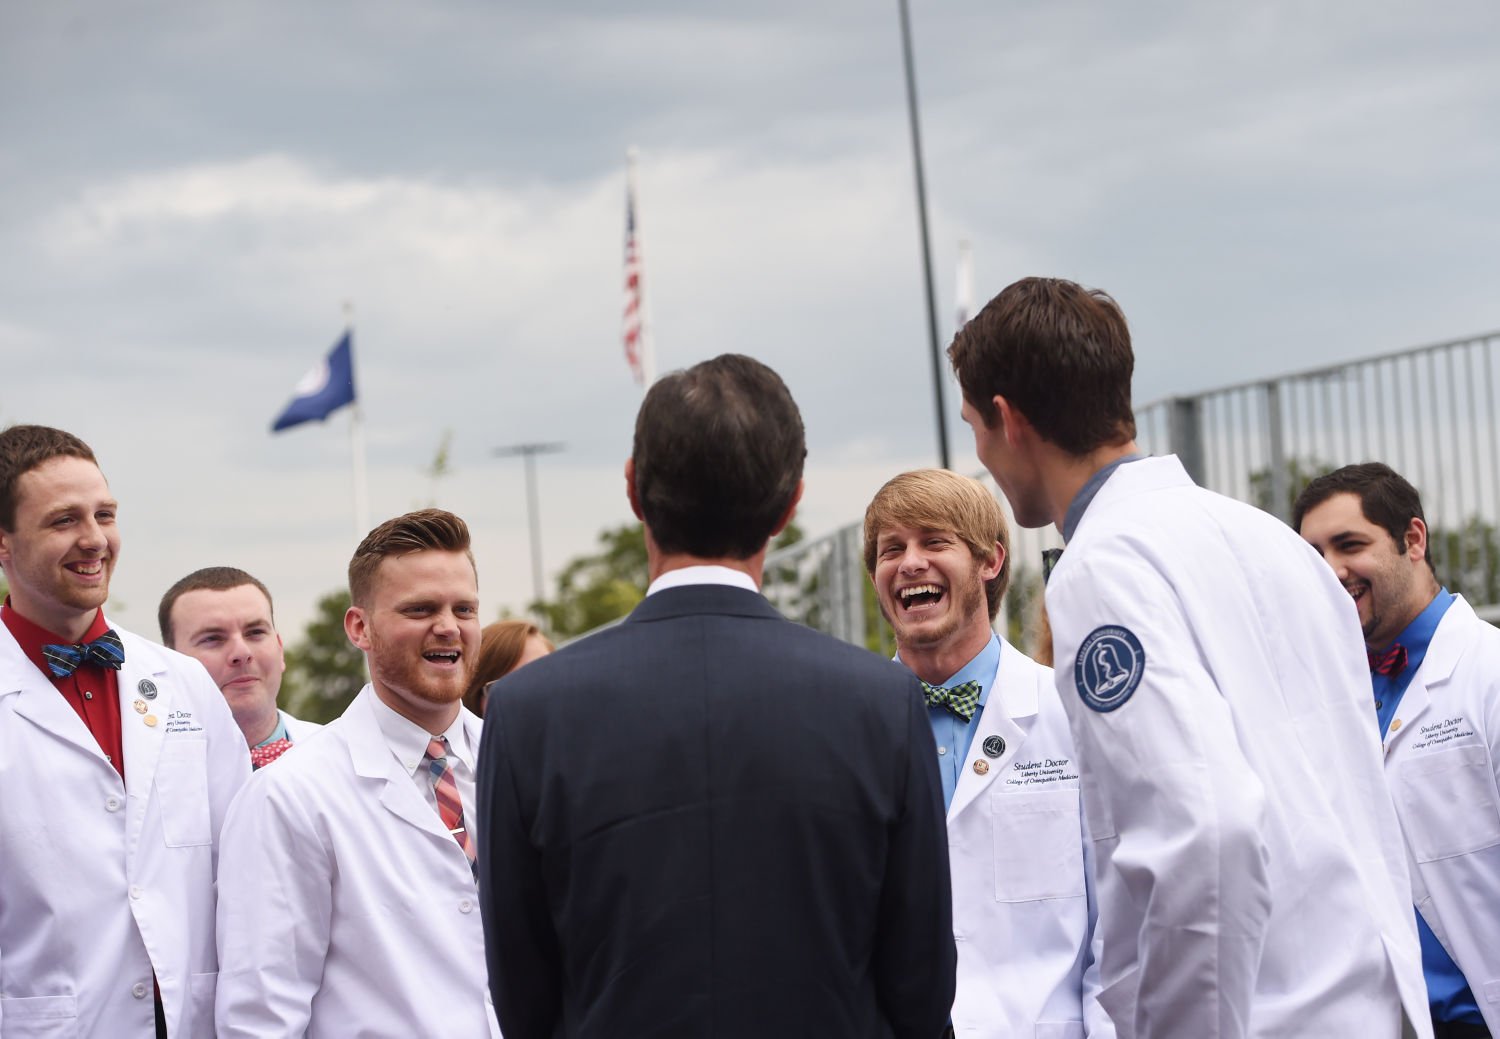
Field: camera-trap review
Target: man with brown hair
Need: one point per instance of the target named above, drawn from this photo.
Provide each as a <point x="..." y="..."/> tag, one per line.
<point x="118" y="761"/>
<point x="1435" y="673"/>
<point x="222" y="617"/>
<point x="1210" y="667"/>
<point x="708" y="820"/>
<point x="347" y="902"/>
<point x="936" y="549"/>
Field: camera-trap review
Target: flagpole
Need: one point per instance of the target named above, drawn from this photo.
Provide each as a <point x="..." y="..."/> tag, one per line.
<point x="648" y="345"/>
<point x="357" y="444"/>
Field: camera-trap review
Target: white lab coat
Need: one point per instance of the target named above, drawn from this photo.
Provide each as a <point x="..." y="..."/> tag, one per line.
<point x="1251" y="880"/>
<point x="1443" y="762"/>
<point x="297" y="730"/>
<point x="1022" y="915"/>
<point x="102" y="882"/>
<point x="346" y="909"/>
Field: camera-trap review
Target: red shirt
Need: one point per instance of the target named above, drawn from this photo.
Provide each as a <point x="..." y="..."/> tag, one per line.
<point x="93" y="691"/>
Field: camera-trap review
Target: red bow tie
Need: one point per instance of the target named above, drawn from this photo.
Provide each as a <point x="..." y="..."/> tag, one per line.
<point x="1390" y="663"/>
<point x="263" y="755"/>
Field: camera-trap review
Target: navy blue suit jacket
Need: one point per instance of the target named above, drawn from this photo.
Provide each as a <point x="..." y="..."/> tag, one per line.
<point x="711" y="822"/>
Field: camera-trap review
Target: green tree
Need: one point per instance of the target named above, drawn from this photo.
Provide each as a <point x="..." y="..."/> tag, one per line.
<point x="595" y="589"/>
<point x="324" y="671"/>
<point x="1299" y="474"/>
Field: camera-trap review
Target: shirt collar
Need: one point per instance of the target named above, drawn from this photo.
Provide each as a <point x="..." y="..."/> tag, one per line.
<point x="31" y="637"/>
<point x="278" y="733"/>
<point x="1086" y="493"/>
<point x="703" y="574"/>
<point x="1418" y="634"/>
<point x="408" y="740"/>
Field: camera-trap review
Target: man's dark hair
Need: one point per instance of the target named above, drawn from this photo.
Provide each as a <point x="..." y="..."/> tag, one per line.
<point x="22" y="449"/>
<point x="718" y="456"/>
<point x="209" y="579"/>
<point x="1060" y="353"/>
<point x="1385" y="497"/>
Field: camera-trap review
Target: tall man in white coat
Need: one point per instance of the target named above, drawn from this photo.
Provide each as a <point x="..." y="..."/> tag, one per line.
<point x="222" y="617"/>
<point x="118" y="761"/>
<point x="937" y="550"/>
<point x="1435" y="672"/>
<point x="1251" y="879"/>
<point x="347" y="901"/>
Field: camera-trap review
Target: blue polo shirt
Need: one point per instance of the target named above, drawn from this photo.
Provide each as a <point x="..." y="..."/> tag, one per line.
<point x="1448" y="992"/>
<point x="952" y="734"/>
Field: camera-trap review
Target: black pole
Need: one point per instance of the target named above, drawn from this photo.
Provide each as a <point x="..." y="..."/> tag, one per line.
<point x="916" y="154"/>
<point x="528" y="453"/>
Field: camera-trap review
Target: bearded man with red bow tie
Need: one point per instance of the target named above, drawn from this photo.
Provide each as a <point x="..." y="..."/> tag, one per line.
<point x="1435" y="671"/>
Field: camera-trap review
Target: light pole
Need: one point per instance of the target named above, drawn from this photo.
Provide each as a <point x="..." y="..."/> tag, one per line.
<point x="528" y="453"/>
<point x="916" y="155"/>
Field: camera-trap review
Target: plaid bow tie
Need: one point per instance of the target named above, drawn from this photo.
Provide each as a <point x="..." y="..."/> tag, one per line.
<point x="106" y="651"/>
<point x="962" y="700"/>
<point x="1390" y="663"/>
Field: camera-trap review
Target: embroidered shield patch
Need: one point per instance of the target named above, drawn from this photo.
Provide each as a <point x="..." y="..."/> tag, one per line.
<point x="1109" y="666"/>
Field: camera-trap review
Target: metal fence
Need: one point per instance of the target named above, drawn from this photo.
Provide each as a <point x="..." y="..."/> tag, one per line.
<point x="1429" y="412"/>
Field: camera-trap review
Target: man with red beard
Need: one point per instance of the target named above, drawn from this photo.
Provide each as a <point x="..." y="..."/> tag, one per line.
<point x="347" y="902"/>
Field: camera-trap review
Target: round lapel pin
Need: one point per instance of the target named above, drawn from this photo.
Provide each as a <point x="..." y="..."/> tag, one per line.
<point x="146" y="688"/>
<point x="981" y="766"/>
<point x="994" y="746"/>
<point x="150" y="720"/>
<point x="140" y="707"/>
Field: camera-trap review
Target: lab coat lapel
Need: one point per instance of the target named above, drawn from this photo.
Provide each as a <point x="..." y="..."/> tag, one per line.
<point x="140" y="738"/>
<point x="1447" y="645"/>
<point x="374" y="762"/>
<point x="1008" y="710"/>
<point x="38" y="701"/>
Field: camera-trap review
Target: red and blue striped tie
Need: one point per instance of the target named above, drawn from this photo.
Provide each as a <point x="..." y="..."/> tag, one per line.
<point x="450" y="805"/>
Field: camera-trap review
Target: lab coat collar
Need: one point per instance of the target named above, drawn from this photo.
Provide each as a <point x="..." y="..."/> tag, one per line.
<point x="1446" y="649"/>
<point x="1008" y="714"/>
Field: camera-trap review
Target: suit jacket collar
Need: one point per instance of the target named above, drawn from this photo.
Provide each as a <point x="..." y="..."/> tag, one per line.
<point x="697" y="599"/>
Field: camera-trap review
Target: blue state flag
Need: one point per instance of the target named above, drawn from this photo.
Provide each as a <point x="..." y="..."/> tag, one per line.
<point x="322" y="391"/>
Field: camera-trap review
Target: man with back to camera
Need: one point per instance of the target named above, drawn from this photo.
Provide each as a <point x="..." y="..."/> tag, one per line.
<point x="936" y="549"/>
<point x="1435" y="670"/>
<point x="222" y="618"/>
<point x="1249" y="884"/>
<point x="118" y="760"/>
<point x="708" y="820"/>
<point x="347" y="902"/>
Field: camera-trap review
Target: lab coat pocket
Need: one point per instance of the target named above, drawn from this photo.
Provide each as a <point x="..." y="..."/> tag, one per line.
<point x="1038" y="845"/>
<point x="201" y="988"/>
<point x="182" y="793"/>
<point x="39" y="1017"/>
<point x="1449" y="800"/>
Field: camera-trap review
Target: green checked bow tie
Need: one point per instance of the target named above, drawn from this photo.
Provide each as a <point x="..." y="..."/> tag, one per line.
<point x="962" y="700"/>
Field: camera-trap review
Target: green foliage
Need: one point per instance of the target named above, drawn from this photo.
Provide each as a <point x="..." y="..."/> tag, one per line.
<point x="1467" y="560"/>
<point x="1299" y="474"/>
<point x="324" y="671"/>
<point x="595" y="589"/>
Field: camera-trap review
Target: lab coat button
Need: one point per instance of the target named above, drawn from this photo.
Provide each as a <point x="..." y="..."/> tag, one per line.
<point x="138" y="990"/>
<point x="135" y="892"/>
<point x="112" y="804"/>
<point x="466" y="906"/>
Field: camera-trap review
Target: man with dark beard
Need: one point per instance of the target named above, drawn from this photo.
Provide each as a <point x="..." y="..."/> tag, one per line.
<point x="347" y="900"/>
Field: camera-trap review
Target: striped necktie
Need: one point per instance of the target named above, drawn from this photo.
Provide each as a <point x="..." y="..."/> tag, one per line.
<point x="105" y="651"/>
<point x="450" y="805"/>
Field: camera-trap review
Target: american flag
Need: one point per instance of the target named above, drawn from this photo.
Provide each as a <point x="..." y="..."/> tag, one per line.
<point x="632" y="325"/>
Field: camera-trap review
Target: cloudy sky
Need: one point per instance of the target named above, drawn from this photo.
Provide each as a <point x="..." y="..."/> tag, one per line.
<point x="192" y="192"/>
